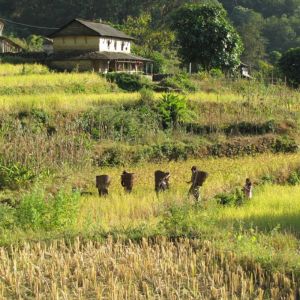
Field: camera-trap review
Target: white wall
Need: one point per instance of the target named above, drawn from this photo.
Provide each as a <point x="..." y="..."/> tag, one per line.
<point x="114" y="45"/>
<point x="90" y="44"/>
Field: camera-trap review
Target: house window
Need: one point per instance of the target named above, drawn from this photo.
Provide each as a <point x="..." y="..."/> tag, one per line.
<point x="116" y="45"/>
<point x="85" y="38"/>
<point x="108" y="44"/>
<point x="123" y="45"/>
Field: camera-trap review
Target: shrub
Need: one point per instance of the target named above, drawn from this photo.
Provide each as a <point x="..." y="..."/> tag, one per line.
<point x="159" y="62"/>
<point x="112" y="157"/>
<point x="180" y="221"/>
<point x="147" y="96"/>
<point x="285" y="144"/>
<point x="180" y="82"/>
<point x="64" y="209"/>
<point x="234" y="198"/>
<point x="120" y="123"/>
<point x="294" y="178"/>
<point x="33" y="212"/>
<point x="7" y="217"/>
<point x="245" y="128"/>
<point x="37" y="213"/>
<point x="216" y="73"/>
<point x="129" y="82"/>
<point x="14" y="176"/>
<point x="173" y="110"/>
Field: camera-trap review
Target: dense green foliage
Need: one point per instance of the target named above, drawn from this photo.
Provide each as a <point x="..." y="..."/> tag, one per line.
<point x="290" y="66"/>
<point x="59" y="131"/>
<point x="36" y="212"/>
<point x="173" y="110"/>
<point x="249" y="24"/>
<point x="206" y="38"/>
<point x="265" y="26"/>
<point x="128" y="82"/>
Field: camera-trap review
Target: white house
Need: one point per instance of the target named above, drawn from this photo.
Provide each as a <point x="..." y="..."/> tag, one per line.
<point x="94" y="46"/>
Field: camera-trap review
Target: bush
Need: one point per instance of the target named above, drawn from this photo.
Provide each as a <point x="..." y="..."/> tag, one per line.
<point x="216" y="73"/>
<point x="64" y="209"/>
<point x="129" y="82"/>
<point x="173" y="109"/>
<point x="112" y="157"/>
<point x="181" y="221"/>
<point x="7" y="217"/>
<point x="128" y="124"/>
<point x="14" y="176"/>
<point x="180" y="82"/>
<point x="37" y="213"/>
<point x="285" y="144"/>
<point x="147" y="97"/>
<point x="294" y="178"/>
<point x="33" y="212"/>
<point x="247" y="128"/>
<point x="159" y="62"/>
<point x="232" y="199"/>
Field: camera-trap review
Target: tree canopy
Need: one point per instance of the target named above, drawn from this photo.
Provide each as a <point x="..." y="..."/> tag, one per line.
<point x="290" y="66"/>
<point x="265" y="26"/>
<point x="206" y="37"/>
<point x="249" y="24"/>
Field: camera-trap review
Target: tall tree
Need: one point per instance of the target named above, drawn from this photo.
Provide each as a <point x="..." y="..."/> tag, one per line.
<point x="249" y="25"/>
<point x="150" y="42"/>
<point x="206" y="37"/>
<point x="267" y="8"/>
<point x="280" y="34"/>
<point x="290" y="66"/>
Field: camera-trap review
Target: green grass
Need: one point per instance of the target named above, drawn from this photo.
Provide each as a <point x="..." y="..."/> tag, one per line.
<point x="272" y="206"/>
<point x="265" y="229"/>
<point x="143" y="208"/>
<point x="61" y="101"/>
<point x="22" y="69"/>
<point x="70" y="83"/>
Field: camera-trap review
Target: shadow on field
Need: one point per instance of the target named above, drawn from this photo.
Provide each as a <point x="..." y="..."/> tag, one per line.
<point x="284" y="223"/>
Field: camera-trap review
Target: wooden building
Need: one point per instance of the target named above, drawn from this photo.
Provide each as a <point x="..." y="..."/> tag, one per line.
<point x="86" y="45"/>
<point x="7" y="45"/>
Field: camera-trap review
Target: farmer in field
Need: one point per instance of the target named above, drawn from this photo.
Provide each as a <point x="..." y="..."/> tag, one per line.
<point x="161" y="181"/>
<point x="127" y="180"/>
<point x="248" y="189"/>
<point x="103" y="183"/>
<point x="197" y="180"/>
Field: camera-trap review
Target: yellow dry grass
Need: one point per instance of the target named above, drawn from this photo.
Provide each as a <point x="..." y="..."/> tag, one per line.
<point x="164" y="270"/>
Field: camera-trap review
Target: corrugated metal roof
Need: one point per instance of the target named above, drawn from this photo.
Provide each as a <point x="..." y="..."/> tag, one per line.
<point x="98" y="28"/>
<point x="104" y="29"/>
